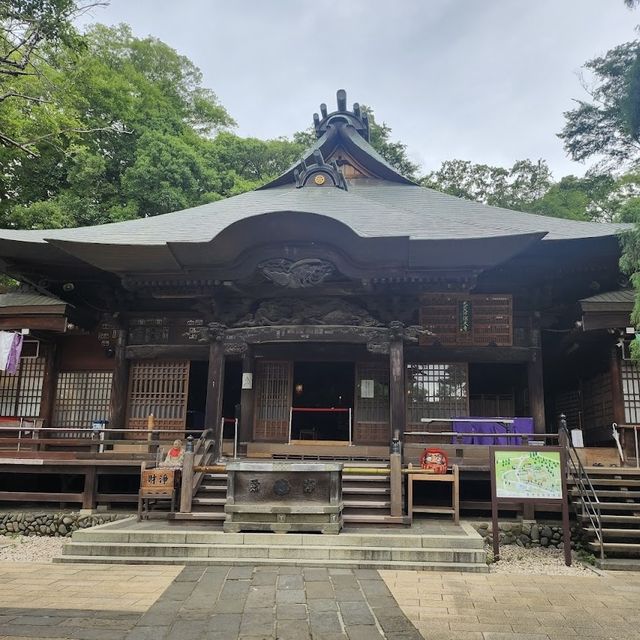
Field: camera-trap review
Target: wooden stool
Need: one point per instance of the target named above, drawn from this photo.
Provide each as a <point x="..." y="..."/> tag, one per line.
<point x="420" y="475"/>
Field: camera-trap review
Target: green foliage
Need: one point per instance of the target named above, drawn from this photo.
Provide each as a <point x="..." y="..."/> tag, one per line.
<point x="513" y="188"/>
<point x="608" y="127"/>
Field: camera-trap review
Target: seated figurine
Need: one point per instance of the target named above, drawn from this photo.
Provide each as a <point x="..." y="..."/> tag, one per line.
<point x="175" y="455"/>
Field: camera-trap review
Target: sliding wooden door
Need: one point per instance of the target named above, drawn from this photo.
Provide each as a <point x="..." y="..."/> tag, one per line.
<point x="372" y="411"/>
<point x="273" y="392"/>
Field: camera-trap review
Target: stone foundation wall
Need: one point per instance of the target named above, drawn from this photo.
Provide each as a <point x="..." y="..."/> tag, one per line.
<point x="529" y="533"/>
<point x="58" y="524"/>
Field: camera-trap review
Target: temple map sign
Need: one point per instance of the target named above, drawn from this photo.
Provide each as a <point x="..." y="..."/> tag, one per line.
<point x="528" y="474"/>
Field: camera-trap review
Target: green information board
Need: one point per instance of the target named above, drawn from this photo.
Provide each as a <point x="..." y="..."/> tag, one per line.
<point x="529" y="474"/>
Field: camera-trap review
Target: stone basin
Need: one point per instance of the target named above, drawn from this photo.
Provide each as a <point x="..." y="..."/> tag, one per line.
<point x="284" y="496"/>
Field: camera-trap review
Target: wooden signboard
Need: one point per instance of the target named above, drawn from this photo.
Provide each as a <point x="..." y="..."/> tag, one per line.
<point x="534" y="475"/>
<point x="157" y="482"/>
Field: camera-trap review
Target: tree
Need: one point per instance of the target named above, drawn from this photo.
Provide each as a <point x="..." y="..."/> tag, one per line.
<point x="31" y="93"/>
<point x="607" y="127"/>
<point x="513" y="188"/>
<point x="148" y="124"/>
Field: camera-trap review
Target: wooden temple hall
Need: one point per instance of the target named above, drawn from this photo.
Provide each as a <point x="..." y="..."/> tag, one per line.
<point x="310" y="319"/>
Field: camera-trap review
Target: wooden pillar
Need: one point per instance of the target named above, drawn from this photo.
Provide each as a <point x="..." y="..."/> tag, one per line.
<point x="215" y="387"/>
<point x="186" y="488"/>
<point x="90" y="488"/>
<point x="48" y="385"/>
<point x="120" y="385"/>
<point x="396" y="387"/>
<point x="617" y="397"/>
<point x="536" y="391"/>
<point x="395" y="470"/>
<point x="247" y="397"/>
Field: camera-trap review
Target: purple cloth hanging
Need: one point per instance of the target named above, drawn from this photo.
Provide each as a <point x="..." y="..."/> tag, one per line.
<point x="522" y="425"/>
<point x="465" y="427"/>
<point x="14" y="354"/>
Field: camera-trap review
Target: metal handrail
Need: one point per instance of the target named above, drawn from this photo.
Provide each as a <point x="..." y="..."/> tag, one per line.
<point x="588" y="497"/>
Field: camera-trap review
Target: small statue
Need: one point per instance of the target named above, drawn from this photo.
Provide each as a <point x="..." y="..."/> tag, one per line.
<point x="175" y="455"/>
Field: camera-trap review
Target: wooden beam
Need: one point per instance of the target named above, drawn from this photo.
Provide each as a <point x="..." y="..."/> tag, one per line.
<point x="90" y="489"/>
<point x="167" y="351"/>
<point x="215" y="386"/>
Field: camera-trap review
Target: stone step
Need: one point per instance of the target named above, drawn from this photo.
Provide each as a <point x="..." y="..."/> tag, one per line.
<point x="615" y="533"/>
<point x="209" y="502"/>
<point x="367" y="504"/>
<point x="619" y="564"/>
<point x="196" y="515"/>
<point x="469" y="567"/>
<point x="617" y="548"/>
<point x="619" y="506"/>
<point x="366" y="490"/>
<point x="320" y="552"/>
<point x="375" y="519"/>
<point x="286" y="540"/>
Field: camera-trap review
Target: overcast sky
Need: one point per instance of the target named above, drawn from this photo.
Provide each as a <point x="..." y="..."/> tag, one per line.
<point x="483" y="80"/>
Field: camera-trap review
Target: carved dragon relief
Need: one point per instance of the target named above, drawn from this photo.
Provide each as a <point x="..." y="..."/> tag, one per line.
<point x="298" y="274"/>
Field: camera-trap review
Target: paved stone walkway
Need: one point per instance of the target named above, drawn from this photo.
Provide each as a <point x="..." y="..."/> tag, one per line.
<point x="120" y="602"/>
<point x="463" y="606"/>
<point x="213" y="603"/>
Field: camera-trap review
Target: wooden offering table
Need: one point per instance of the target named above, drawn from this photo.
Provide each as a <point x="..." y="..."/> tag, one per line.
<point x="421" y="475"/>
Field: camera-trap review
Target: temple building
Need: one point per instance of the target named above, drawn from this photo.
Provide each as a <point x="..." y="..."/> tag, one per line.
<point x="325" y="311"/>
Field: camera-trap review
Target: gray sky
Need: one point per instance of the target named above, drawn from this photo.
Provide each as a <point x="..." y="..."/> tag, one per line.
<point x="482" y="80"/>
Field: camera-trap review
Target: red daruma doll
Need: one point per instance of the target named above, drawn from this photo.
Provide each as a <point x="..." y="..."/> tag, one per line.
<point x="434" y="461"/>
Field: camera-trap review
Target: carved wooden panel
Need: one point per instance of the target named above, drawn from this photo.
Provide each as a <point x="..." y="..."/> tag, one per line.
<point x="273" y="392"/>
<point x="371" y="415"/>
<point x="161" y="388"/>
<point x="456" y="319"/>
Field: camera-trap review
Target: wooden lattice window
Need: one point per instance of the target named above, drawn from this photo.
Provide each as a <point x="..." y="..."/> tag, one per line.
<point x="21" y="393"/>
<point x="273" y="400"/>
<point x="371" y="417"/>
<point x="436" y="390"/>
<point x="464" y="319"/>
<point x="631" y="391"/>
<point x="82" y="397"/>
<point x="160" y="388"/>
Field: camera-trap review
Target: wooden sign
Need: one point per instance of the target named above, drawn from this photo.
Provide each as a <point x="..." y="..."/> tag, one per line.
<point x="533" y="475"/>
<point x="157" y="482"/>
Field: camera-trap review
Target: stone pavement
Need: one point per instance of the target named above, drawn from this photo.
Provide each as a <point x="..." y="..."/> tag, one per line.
<point x="213" y="603"/>
<point x="459" y="606"/>
<point x="129" y="602"/>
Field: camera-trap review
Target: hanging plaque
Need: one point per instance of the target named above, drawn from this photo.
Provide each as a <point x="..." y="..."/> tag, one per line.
<point x="367" y="389"/>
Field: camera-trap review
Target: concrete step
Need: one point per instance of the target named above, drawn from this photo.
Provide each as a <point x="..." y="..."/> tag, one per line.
<point x="470" y="567"/>
<point x="366" y="490"/>
<point x="195" y="515"/>
<point x="619" y="506"/>
<point x="285" y="540"/>
<point x="209" y="502"/>
<point x="303" y="552"/>
<point x="367" y="504"/>
<point x="619" y="564"/>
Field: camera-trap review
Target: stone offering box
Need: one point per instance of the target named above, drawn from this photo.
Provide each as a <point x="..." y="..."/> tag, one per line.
<point x="284" y="496"/>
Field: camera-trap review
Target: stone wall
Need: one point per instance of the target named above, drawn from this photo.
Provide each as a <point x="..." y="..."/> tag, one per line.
<point x="58" y="524"/>
<point x="529" y="533"/>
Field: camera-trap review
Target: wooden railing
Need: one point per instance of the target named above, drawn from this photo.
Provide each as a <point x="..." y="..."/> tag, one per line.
<point x="630" y="433"/>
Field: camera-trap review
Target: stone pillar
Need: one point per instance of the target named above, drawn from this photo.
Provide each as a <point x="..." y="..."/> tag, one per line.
<point x="186" y="488"/>
<point x="247" y="397"/>
<point x="215" y="387"/>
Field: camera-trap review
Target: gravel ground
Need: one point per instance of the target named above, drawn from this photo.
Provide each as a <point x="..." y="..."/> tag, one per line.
<point x="538" y="561"/>
<point x="30" y="549"/>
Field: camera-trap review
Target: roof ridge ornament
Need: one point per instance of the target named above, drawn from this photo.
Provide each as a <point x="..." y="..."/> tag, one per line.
<point x="319" y="173"/>
<point x="356" y="118"/>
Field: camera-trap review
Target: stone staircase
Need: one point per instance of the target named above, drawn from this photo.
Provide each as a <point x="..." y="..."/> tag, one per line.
<point x="449" y="548"/>
<point x="618" y="492"/>
<point x="366" y="497"/>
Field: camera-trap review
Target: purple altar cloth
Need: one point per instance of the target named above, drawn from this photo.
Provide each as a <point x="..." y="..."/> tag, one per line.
<point x="492" y="426"/>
